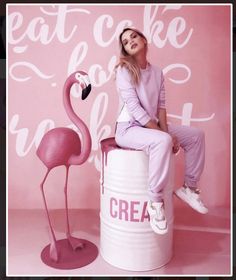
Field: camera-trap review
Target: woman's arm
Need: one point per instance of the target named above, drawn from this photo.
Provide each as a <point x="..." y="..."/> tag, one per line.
<point x="129" y="95"/>
<point x="162" y="119"/>
<point x="164" y="127"/>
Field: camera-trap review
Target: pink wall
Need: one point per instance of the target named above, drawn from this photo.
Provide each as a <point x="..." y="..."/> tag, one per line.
<point x="46" y="43"/>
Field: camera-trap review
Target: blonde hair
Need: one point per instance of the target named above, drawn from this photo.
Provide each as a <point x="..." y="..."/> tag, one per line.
<point x="127" y="60"/>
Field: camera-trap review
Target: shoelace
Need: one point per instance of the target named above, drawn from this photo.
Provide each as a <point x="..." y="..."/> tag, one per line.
<point x="159" y="211"/>
<point x="195" y="190"/>
<point x="198" y="191"/>
<point x="197" y="196"/>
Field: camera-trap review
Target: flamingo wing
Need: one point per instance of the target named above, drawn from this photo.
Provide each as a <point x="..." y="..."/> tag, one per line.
<point x="58" y="145"/>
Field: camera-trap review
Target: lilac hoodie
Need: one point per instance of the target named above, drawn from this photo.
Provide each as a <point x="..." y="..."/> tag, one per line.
<point x="142" y="101"/>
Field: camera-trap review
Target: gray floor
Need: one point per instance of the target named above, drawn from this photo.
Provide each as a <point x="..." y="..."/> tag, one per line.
<point x="202" y="243"/>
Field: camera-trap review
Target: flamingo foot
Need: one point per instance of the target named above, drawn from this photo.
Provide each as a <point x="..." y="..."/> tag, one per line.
<point x="54" y="252"/>
<point x="75" y="242"/>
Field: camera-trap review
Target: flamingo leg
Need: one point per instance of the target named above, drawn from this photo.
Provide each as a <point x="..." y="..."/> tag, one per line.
<point x="74" y="242"/>
<point x="53" y="247"/>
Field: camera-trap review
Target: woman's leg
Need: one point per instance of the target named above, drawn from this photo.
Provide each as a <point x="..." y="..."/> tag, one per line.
<point x="158" y="146"/>
<point x="192" y="140"/>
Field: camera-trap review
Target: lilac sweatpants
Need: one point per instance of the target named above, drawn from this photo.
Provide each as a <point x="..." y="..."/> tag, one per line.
<point x="158" y="146"/>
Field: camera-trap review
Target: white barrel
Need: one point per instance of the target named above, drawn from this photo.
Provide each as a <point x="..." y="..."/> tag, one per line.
<point x="127" y="240"/>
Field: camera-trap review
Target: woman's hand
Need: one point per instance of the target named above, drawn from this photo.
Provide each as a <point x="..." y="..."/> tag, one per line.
<point x="152" y="124"/>
<point x="176" y="145"/>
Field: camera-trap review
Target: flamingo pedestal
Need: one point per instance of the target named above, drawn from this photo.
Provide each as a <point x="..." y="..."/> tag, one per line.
<point x="62" y="146"/>
<point x="69" y="258"/>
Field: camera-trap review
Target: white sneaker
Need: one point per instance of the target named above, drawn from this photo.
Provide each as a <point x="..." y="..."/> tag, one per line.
<point x="157" y="217"/>
<point x="192" y="198"/>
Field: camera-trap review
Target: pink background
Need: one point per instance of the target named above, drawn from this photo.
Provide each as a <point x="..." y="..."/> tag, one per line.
<point x="46" y="43"/>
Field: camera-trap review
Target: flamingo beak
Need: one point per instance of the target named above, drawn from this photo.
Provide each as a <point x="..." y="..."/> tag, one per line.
<point x="86" y="91"/>
<point x="86" y="86"/>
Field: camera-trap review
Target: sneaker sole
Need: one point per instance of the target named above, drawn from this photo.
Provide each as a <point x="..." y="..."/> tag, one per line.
<point x="154" y="228"/>
<point x="157" y="230"/>
<point x="185" y="199"/>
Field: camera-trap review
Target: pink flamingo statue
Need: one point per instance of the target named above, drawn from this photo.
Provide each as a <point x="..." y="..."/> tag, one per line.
<point x="62" y="146"/>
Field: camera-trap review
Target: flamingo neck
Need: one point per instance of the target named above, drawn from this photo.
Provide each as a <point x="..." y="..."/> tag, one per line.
<point x="86" y="138"/>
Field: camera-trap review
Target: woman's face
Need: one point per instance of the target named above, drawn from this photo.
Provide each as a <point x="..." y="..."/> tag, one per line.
<point x="132" y="42"/>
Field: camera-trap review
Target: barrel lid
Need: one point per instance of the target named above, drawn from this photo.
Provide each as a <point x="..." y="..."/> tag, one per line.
<point x="110" y="144"/>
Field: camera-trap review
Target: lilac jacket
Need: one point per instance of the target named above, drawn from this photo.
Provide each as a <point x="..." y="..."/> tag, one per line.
<point x="140" y="102"/>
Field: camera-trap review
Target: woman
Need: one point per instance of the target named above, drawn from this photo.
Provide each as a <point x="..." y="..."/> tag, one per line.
<point x="142" y="125"/>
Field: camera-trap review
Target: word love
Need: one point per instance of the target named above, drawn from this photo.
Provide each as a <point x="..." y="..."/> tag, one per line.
<point x="132" y="211"/>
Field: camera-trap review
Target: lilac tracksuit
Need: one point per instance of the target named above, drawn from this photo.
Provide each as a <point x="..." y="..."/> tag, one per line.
<point x="141" y="103"/>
